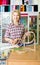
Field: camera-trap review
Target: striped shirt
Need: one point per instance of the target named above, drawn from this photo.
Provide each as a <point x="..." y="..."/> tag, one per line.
<point x="14" y="31"/>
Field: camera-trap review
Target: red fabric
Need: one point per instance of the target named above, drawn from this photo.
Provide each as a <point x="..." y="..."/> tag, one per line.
<point x="4" y="2"/>
<point x="1" y="2"/>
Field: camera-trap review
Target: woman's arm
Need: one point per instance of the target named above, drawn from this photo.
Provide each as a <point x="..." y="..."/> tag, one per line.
<point x="8" y="40"/>
<point x="12" y="41"/>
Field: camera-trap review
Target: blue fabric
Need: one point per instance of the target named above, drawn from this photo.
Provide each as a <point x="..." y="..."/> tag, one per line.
<point x="20" y="44"/>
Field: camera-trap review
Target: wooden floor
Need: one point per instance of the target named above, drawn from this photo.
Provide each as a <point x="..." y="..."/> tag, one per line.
<point x="28" y="58"/>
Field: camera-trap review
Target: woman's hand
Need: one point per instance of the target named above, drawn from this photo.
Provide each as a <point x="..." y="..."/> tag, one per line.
<point x="15" y="41"/>
<point x="12" y="41"/>
<point x="24" y="36"/>
<point x="27" y="33"/>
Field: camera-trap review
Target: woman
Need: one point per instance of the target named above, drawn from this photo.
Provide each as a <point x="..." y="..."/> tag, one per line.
<point x="15" y="30"/>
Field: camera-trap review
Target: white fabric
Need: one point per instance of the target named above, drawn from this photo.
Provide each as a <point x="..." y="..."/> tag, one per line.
<point x="7" y="46"/>
<point x="16" y="2"/>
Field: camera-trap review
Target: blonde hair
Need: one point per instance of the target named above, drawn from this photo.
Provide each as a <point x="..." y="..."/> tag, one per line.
<point x="17" y="12"/>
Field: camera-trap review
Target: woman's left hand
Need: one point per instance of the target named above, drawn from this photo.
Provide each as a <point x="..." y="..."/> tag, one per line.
<point x="27" y="33"/>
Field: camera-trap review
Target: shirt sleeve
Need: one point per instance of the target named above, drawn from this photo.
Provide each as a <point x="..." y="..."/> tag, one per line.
<point x="7" y="32"/>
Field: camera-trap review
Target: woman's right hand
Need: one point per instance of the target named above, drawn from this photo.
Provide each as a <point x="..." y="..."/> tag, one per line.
<point x="12" y="41"/>
<point x="16" y="41"/>
<point x="9" y="40"/>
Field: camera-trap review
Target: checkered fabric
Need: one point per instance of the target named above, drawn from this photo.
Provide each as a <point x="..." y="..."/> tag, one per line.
<point x="14" y="31"/>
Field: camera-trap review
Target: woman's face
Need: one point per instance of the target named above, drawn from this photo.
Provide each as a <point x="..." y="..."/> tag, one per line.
<point x="15" y="17"/>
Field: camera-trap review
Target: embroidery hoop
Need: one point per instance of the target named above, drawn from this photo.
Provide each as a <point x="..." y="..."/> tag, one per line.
<point x="29" y="43"/>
